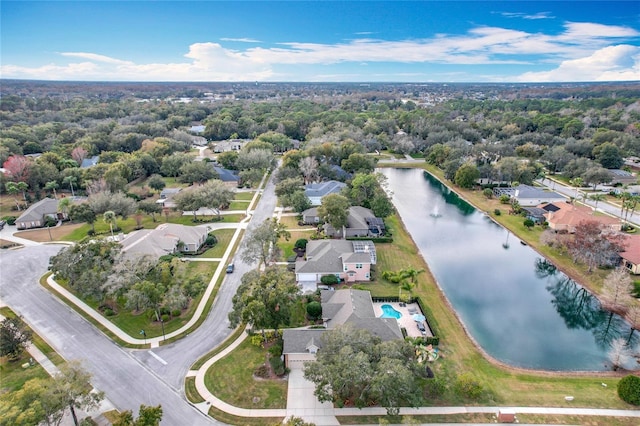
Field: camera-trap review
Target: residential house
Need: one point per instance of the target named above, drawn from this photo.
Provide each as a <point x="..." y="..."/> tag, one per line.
<point x="315" y="191"/>
<point x="349" y="261"/>
<point x="166" y="197"/>
<point x="536" y="214"/>
<point x="229" y="177"/>
<point x="36" y="215"/>
<point x="229" y="145"/>
<point x="342" y="307"/>
<point x="167" y="238"/>
<point x="622" y="177"/>
<point x="311" y="216"/>
<point x="631" y="255"/>
<point x="89" y="162"/>
<point x="361" y="222"/>
<point x="528" y="196"/>
<point x="565" y="216"/>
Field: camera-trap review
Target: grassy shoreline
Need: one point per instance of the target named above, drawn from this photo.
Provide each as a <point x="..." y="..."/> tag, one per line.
<point x="510" y="385"/>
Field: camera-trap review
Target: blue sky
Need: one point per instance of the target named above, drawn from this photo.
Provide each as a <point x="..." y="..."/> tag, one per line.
<point x="418" y="41"/>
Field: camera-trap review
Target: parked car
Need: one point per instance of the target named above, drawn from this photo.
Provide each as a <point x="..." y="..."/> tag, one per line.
<point x="230" y="268"/>
<point x="2" y="224"/>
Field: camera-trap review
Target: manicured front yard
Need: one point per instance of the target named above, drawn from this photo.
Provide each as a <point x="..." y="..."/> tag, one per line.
<point x="224" y="238"/>
<point x="231" y="379"/>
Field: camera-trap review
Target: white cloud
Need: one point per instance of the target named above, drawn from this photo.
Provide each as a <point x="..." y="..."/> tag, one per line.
<point x="535" y="16"/>
<point x="584" y="44"/>
<point x="95" y="57"/>
<point x="241" y="40"/>
<point x="612" y="63"/>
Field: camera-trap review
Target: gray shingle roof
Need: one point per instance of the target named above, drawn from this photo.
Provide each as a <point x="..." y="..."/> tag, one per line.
<point x="38" y="210"/>
<point x="342" y="307"/>
<point x="296" y="340"/>
<point x="162" y="240"/>
<point x="323" y="188"/>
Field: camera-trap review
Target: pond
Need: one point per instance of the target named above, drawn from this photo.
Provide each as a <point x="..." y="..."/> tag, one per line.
<point x="514" y="303"/>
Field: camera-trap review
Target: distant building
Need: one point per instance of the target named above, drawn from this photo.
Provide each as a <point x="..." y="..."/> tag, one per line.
<point x="89" y="162"/>
<point x="229" y="177"/>
<point x="198" y="129"/>
<point x="166" y="197"/>
<point x="36" y="215"/>
<point x="315" y="191"/>
<point x="529" y="195"/>
<point x="566" y="216"/>
<point x="622" y="177"/>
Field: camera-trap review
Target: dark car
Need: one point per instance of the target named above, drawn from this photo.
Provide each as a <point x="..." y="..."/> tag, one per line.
<point x="2" y="224"/>
<point x="230" y="268"/>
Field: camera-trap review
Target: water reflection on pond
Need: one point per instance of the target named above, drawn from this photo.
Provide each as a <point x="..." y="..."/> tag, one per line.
<point x="515" y="304"/>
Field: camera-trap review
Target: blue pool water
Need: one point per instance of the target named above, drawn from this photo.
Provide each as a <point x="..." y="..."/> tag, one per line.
<point x="389" y="312"/>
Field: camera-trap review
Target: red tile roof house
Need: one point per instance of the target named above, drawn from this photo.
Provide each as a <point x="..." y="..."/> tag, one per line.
<point x="348" y="260"/>
<point x="631" y="255"/>
<point x="565" y="216"/>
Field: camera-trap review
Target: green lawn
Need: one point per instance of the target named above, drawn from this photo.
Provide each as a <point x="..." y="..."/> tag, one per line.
<point x="12" y="375"/>
<point x="239" y="205"/>
<point x="224" y="238"/>
<point x="231" y="379"/>
<point x="247" y="196"/>
<point x="291" y="222"/>
<point x="286" y="247"/>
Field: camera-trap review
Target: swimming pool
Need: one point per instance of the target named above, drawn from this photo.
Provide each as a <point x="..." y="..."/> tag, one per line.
<point x="389" y="312"/>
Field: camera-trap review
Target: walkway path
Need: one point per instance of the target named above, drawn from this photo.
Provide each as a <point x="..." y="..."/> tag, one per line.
<point x="155" y="341"/>
<point x="38" y="356"/>
<point x="301" y="402"/>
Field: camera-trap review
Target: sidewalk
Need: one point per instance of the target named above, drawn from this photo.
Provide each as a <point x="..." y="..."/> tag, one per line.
<point x="301" y="402"/>
<point x="105" y="405"/>
<point x="154" y="342"/>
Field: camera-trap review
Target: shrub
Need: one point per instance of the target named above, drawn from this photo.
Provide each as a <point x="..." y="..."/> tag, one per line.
<point x="256" y="340"/>
<point x="165" y="317"/>
<point x="528" y="223"/>
<point x="211" y="240"/>
<point x="176" y="313"/>
<point x="487" y="192"/>
<point x="91" y="232"/>
<point x="434" y="387"/>
<point x="11" y="220"/>
<point x="314" y="310"/>
<point x="276" y="349"/>
<point x="504" y="199"/>
<point x="329" y="280"/>
<point x="277" y="365"/>
<point x="468" y="386"/>
<point x="301" y="243"/>
<point x="109" y="312"/>
<point x="262" y="371"/>
<point x="497" y="212"/>
<point x="165" y="311"/>
<point x="629" y="389"/>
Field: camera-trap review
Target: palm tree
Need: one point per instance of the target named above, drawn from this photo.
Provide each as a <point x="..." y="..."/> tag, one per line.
<point x="64" y="204"/>
<point x="22" y="186"/>
<point x="597" y="198"/>
<point x="110" y="218"/>
<point x="51" y="186"/>
<point x="577" y="182"/>
<point x="12" y="189"/>
<point x="70" y="180"/>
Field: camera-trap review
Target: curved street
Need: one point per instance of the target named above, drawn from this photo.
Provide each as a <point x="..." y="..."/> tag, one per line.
<point x="128" y="377"/>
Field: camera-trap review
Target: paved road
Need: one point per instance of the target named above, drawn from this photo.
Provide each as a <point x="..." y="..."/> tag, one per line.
<point x="128" y="377"/>
<point x="180" y="355"/>
<point x="570" y="191"/>
<point x="122" y="378"/>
